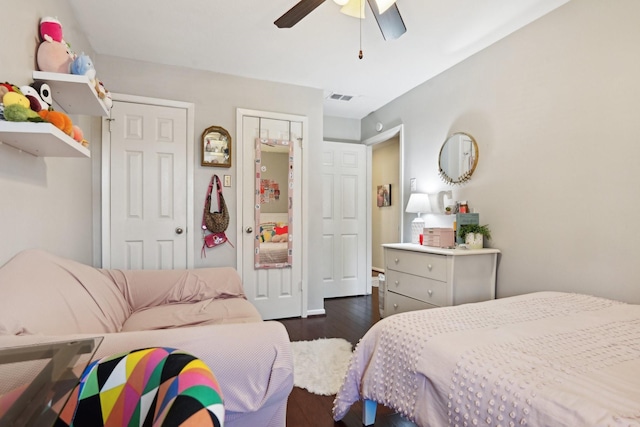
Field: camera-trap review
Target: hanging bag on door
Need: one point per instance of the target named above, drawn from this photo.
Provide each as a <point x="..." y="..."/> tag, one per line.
<point x="215" y="222"/>
<point x="218" y="221"/>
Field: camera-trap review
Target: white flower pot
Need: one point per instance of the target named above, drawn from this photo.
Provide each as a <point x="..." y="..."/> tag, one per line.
<point x="474" y="240"/>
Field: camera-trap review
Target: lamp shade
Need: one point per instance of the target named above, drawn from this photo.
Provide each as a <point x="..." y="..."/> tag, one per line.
<point x="354" y="8"/>
<point x="341" y="2"/>
<point x="418" y="203"/>
<point x="383" y="5"/>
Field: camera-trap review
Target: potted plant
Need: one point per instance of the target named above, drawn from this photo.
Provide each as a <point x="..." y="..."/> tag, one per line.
<point x="474" y="235"/>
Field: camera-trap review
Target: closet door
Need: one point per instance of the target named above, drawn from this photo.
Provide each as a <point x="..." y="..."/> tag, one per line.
<point x="273" y="285"/>
<point x="344" y="225"/>
<point x="148" y="182"/>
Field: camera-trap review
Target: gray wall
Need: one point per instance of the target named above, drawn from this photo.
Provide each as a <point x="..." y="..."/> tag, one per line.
<point x="53" y="203"/>
<point x="554" y="108"/>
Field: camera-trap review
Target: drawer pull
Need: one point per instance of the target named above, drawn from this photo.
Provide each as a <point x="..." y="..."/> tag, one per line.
<point x="430" y="267"/>
<point x="395" y="306"/>
<point x="430" y="292"/>
<point x="396" y="260"/>
<point x="397" y="283"/>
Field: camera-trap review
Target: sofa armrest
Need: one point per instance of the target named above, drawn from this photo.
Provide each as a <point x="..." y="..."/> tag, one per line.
<point x="151" y="288"/>
<point x="253" y="362"/>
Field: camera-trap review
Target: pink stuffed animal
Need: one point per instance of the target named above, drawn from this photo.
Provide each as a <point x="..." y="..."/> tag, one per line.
<point x="50" y="29"/>
<point x="53" y="54"/>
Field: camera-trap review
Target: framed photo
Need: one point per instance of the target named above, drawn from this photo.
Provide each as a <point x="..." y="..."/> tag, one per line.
<point x="216" y="147"/>
<point x="384" y="195"/>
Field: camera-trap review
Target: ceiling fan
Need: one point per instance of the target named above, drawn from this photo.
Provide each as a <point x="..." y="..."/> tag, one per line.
<point x="385" y="11"/>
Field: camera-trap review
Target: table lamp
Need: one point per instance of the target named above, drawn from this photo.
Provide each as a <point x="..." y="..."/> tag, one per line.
<point x="418" y="204"/>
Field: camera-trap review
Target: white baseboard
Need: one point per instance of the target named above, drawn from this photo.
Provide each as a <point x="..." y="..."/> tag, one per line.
<point x="318" y="312"/>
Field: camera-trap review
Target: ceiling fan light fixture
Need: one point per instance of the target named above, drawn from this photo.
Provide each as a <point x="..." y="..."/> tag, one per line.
<point x="383" y="5"/>
<point x="354" y="8"/>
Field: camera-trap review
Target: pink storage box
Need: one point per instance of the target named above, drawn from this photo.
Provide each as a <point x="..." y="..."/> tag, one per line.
<point x="438" y="237"/>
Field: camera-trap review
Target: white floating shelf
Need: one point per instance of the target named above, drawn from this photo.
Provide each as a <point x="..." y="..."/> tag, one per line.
<point x="74" y="94"/>
<point x="41" y="139"/>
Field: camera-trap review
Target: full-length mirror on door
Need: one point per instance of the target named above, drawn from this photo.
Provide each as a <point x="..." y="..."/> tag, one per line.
<point x="274" y="200"/>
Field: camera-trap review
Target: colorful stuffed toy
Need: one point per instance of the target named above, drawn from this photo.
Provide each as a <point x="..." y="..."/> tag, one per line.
<point x="103" y="94"/>
<point x="83" y="66"/>
<point x="44" y="90"/>
<point x="58" y="119"/>
<point x="15" y="97"/>
<point x="53" y="54"/>
<point x="20" y="113"/>
<point x="50" y="30"/>
<point x="37" y="103"/>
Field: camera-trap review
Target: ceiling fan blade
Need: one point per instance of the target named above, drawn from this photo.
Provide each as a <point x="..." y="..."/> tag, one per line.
<point x="390" y="22"/>
<point x="297" y="12"/>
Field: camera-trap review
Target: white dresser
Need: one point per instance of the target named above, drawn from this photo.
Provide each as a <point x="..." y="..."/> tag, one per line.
<point x="419" y="277"/>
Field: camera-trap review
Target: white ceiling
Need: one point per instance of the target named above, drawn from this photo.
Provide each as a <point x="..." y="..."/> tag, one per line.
<point x="238" y="37"/>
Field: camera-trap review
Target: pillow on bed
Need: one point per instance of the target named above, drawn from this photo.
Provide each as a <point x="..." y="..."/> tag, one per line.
<point x="282" y="230"/>
<point x="267" y="231"/>
<point x="280" y="238"/>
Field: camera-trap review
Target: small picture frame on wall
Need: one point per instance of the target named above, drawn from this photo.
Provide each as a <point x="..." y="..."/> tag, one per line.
<point x="384" y="195"/>
<point x="216" y="147"/>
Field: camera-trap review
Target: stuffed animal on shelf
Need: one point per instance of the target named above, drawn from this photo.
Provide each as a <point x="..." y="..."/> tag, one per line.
<point x="16" y="106"/>
<point x="35" y="100"/>
<point x="58" y="119"/>
<point x="103" y="94"/>
<point x="83" y="66"/>
<point x="20" y="113"/>
<point x="44" y="90"/>
<point x="50" y="30"/>
<point x="54" y="55"/>
<point x="15" y="97"/>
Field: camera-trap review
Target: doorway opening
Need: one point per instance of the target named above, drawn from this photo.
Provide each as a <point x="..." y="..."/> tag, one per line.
<point x="385" y="166"/>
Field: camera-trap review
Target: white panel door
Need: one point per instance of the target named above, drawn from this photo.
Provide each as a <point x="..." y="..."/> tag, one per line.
<point x="148" y="190"/>
<point x="276" y="292"/>
<point x="344" y="219"/>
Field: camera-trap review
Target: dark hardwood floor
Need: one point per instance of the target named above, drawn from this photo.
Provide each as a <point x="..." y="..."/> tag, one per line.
<point x="347" y="318"/>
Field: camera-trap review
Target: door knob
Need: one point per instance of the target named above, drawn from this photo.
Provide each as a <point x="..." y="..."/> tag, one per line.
<point x="179" y="230"/>
<point x="249" y="230"/>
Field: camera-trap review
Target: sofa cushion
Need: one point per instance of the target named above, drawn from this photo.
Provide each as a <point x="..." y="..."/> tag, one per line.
<point x="53" y="295"/>
<point x="152" y="288"/>
<point x="207" y="312"/>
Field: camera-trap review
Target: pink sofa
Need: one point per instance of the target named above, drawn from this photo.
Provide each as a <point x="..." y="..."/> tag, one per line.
<point x="202" y="311"/>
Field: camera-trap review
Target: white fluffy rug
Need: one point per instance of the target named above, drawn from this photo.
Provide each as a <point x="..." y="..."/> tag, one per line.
<point x="320" y="365"/>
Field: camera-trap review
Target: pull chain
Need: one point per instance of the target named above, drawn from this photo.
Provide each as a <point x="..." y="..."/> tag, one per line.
<point x="360" y="55"/>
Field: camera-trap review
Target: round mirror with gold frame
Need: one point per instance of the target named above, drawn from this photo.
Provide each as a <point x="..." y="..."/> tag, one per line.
<point x="458" y="158"/>
<point x="216" y="147"/>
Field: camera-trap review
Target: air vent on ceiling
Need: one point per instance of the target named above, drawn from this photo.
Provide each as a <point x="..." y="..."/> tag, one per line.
<point x="340" y="97"/>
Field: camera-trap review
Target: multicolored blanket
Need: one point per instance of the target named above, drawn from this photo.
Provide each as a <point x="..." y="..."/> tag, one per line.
<point x="149" y="387"/>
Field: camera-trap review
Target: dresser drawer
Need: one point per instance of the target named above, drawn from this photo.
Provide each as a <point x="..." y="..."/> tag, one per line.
<point x="420" y="288"/>
<point x="417" y="263"/>
<point x="395" y="303"/>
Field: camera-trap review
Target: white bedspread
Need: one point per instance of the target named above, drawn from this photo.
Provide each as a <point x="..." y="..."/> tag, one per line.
<point x="274" y="252"/>
<point x="542" y="359"/>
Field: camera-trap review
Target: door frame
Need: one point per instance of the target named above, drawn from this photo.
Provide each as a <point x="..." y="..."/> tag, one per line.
<point x="370" y="142"/>
<point x="105" y="226"/>
<point x="304" y="250"/>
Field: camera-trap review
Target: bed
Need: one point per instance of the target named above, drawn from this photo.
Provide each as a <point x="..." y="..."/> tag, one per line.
<point x="274" y="252"/>
<point x="272" y="246"/>
<point x="541" y="359"/>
